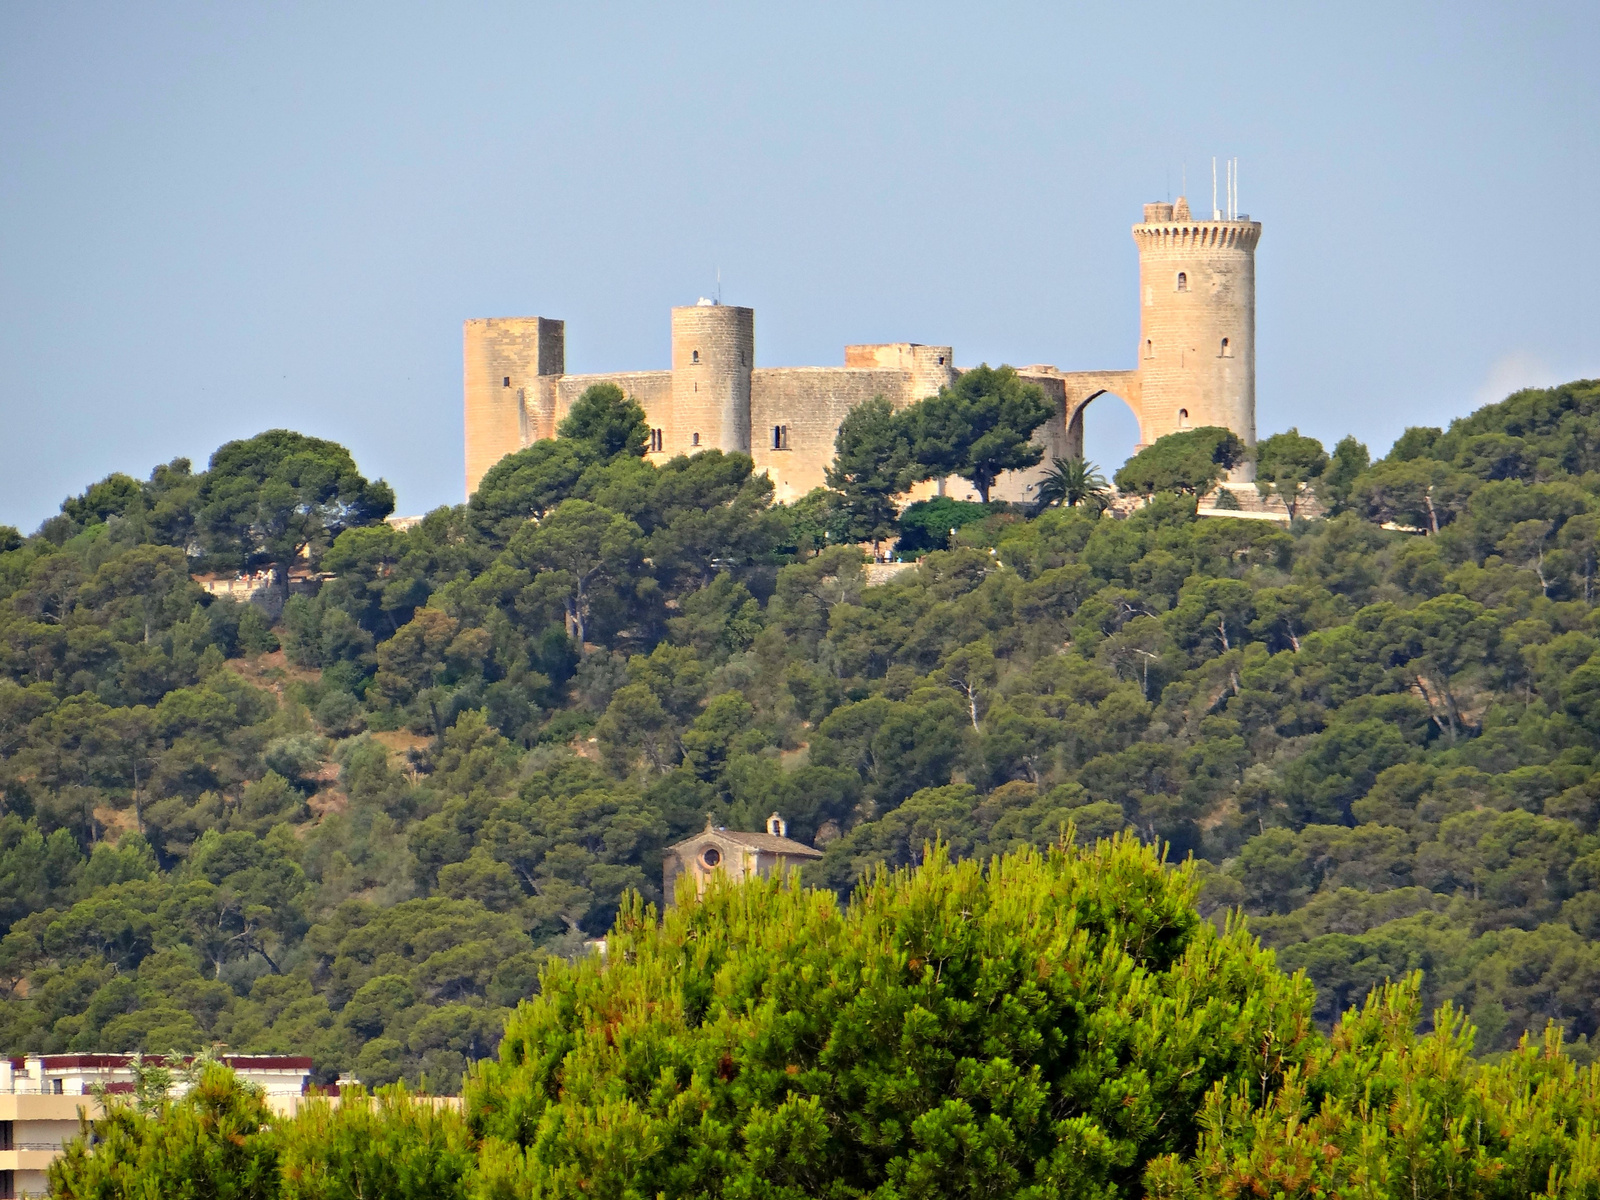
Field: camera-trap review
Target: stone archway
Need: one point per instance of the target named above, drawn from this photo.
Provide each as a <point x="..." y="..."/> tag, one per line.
<point x="1062" y="435"/>
<point x="1109" y="436"/>
<point x="1083" y="388"/>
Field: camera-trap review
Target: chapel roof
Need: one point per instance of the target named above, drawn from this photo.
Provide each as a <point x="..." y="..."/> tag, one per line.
<point x="771" y="843"/>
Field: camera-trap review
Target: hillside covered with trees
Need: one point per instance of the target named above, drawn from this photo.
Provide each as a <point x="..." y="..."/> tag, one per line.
<point x="1041" y="1026"/>
<point x="360" y="827"/>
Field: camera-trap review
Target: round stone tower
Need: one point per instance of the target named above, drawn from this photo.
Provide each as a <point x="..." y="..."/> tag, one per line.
<point x="713" y="352"/>
<point x="1197" y="323"/>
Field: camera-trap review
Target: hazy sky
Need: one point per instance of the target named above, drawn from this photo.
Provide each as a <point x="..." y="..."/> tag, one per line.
<point x="219" y="219"/>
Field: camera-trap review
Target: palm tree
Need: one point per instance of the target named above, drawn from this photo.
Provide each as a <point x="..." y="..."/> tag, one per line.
<point x="1072" y="481"/>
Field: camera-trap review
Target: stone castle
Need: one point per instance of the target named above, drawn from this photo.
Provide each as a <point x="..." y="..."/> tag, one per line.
<point x="1196" y="366"/>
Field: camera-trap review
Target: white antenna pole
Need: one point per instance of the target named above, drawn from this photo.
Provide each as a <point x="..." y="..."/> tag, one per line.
<point x="1215" y="211"/>
<point x="1236" y="183"/>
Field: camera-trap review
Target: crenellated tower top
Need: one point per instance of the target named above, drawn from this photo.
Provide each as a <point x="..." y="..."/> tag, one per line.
<point x="1172" y="227"/>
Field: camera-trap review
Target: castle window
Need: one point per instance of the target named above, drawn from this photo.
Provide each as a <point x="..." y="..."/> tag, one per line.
<point x="1226" y="352"/>
<point x="1183" y="281"/>
<point x="655" y="441"/>
<point x="695" y="440"/>
<point x="696" y="356"/>
<point x="941" y="360"/>
<point x="711" y="856"/>
<point x="1149" y="348"/>
<point x="1183" y="418"/>
<point x="506" y="382"/>
<point x="780" y="437"/>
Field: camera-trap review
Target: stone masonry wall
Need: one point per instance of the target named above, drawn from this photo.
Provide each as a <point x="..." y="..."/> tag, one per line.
<point x="808" y="404"/>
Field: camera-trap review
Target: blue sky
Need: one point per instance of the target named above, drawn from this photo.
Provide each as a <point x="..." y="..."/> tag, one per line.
<point x="218" y="219"/>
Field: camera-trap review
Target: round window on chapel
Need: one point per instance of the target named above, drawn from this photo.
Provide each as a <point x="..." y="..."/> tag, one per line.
<point x="711" y="856"/>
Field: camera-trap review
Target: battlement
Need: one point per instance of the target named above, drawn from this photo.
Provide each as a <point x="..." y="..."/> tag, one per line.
<point x="900" y="356"/>
<point x="1198" y="235"/>
<point x="929" y="367"/>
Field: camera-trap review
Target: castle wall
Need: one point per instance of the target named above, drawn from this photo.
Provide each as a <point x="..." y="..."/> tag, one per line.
<point x="1081" y="388"/>
<point x="1018" y="487"/>
<point x="928" y="368"/>
<point x="808" y="404"/>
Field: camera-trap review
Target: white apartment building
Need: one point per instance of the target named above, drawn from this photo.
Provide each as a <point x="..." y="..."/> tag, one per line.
<point x="41" y="1096"/>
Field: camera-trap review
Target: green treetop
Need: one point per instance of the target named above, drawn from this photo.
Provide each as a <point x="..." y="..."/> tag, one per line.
<point x="976" y="428"/>
<point x="576" y="549"/>
<point x="269" y="499"/>
<point x="1043" y="1026"/>
<point x="216" y="1141"/>
<point x="117" y="495"/>
<point x="1349" y="459"/>
<point x="1287" y="464"/>
<point x="609" y="421"/>
<point x="1189" y="462"/>
<point x="870" y="455"/>
<point x="527" y="485"/>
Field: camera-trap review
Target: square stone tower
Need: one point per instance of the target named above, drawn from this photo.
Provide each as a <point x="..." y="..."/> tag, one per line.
<point x="509" y="363"/>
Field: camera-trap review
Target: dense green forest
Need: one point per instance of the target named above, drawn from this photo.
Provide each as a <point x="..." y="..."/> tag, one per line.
<point x="361" y="828"/>
<point x="1039" y="1027"/>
